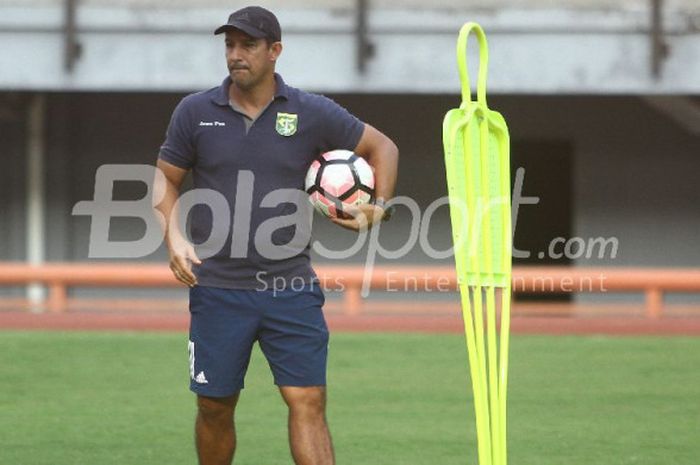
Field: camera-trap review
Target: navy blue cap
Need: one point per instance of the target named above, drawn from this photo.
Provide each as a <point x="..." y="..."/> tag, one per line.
<point x="255" y="21"/>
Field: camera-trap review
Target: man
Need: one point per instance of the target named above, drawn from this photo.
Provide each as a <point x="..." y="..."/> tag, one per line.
<point x="219" y="134"/>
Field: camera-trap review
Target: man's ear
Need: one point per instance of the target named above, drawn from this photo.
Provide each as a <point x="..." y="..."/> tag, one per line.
<point x="275" y="50"/>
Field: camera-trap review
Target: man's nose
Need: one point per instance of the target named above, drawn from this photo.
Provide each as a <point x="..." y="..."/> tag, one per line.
<point x="234" y="53"/>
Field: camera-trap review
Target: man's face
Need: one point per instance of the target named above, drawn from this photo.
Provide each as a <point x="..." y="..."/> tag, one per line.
<point x="249" y="60"/>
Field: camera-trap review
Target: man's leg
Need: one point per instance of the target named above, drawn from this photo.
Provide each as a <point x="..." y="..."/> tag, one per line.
<point x="215" y="432"/>
<point x="309" y="438"/>
<point x="223" y="329"/>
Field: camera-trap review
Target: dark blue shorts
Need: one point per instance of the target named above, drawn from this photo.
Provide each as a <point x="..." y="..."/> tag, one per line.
<point x="225" y="323"/>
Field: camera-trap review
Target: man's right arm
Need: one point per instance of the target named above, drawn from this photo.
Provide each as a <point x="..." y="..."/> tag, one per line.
<point x="181" y="251"/>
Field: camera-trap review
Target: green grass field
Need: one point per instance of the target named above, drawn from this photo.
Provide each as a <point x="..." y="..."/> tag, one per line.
<point x="122" y="398"/>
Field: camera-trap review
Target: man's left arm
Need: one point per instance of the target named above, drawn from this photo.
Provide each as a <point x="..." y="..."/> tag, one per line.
<point x="382" y="155"/>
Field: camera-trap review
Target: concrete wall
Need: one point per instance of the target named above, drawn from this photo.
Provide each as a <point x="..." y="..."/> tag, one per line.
<point x="12" y="188"/>
<point x="536" y="46"/>
<point x="635" y="172"/>
<point x="274" y="4"/>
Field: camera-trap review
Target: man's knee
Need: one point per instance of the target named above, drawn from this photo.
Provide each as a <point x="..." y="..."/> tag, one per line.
<point x="305" y="400"/>
<point x="216" y="410"/>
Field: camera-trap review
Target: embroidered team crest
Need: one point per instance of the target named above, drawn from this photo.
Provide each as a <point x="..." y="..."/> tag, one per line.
<point x="286" y="123"/>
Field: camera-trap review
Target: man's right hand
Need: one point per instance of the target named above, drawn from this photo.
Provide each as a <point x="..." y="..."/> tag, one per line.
<point x="182" y="255"/>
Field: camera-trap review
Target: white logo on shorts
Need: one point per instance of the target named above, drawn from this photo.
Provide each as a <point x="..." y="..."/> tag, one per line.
<point x="201" y="379"/>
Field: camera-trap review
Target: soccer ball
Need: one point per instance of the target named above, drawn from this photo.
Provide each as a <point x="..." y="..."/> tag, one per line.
<point x="339" y="179"/>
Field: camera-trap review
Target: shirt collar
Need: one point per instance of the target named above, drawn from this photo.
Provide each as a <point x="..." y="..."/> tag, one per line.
<point x="221" y="96"/>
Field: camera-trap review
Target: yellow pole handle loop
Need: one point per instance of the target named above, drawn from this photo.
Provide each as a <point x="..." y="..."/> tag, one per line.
<point x="462" y="64"/>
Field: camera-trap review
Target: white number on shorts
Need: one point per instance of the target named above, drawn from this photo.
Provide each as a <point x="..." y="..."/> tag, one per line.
<point x="190" y="349"/>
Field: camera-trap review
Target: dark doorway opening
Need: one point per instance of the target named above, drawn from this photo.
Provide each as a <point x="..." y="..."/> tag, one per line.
<point x="545" y="169"/>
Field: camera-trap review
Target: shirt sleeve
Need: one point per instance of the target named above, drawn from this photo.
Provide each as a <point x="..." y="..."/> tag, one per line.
<point x="342" y="129"/>
<point x="178" y="147"/>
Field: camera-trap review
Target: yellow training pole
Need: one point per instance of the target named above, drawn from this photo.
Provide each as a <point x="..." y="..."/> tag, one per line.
<point x="477" y="162"/>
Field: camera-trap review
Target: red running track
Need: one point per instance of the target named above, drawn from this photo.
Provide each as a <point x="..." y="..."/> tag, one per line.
<point x="85" y="321"/>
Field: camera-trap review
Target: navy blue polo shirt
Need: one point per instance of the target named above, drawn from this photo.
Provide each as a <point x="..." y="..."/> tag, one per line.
<point x="206" y="135"/>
